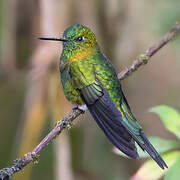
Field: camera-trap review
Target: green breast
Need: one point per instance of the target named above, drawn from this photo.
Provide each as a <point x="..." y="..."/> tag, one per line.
<point x="70" y="90"/>
<point x="96" y="69"/>
<point x="82" y="73"/>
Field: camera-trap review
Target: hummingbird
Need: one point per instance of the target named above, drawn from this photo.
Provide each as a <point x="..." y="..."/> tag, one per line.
<point x="89" y="78"/>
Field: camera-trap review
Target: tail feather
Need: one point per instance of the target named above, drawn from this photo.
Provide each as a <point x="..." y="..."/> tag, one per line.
<point x="152" y="152"/>
<point x="134" y="128"/>
<point x="144" y="143"/>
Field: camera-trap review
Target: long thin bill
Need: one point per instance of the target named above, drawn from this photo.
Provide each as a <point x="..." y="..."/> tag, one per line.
<point x="53" y="39"/>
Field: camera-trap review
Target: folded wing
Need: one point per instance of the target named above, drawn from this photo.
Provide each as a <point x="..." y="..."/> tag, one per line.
<point x="109" y="119"/>
<point x="121" y="128"/>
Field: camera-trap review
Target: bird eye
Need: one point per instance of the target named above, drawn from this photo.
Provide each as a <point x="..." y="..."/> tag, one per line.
<point x="80" y="39"/>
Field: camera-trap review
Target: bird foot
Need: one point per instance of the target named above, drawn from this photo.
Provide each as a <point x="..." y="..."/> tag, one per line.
<point x="81" y="108"/>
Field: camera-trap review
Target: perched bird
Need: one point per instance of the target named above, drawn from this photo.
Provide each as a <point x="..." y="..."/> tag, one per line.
<point x="89" y="78"/>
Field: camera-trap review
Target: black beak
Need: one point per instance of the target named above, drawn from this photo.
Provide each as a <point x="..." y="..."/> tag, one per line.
<point x="53" y="39"/>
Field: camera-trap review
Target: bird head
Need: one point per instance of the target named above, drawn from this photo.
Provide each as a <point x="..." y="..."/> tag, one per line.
<point x="79" y="42"/>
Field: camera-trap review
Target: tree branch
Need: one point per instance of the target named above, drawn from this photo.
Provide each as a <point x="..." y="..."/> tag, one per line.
<point x="66" y="122"/>
<point x="144" y="58"/>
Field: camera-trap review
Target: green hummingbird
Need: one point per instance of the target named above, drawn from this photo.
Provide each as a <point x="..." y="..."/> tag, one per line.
<point x="88" y="78"/>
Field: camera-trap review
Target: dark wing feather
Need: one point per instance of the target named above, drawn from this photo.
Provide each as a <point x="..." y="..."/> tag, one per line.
<point x="117" y="130"/>
<point x="108" y="118"/>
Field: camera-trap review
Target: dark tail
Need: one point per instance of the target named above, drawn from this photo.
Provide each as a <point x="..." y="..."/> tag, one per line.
<point x="148" y="147"/>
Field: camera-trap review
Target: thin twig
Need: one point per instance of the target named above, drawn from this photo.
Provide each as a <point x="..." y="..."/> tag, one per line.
<point x="144" y="58"/>
<point x="66" y="122"/>
<point x="33" y="156"/>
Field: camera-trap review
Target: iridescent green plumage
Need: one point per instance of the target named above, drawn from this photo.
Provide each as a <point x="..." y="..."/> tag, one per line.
<point x="89" y="78"/>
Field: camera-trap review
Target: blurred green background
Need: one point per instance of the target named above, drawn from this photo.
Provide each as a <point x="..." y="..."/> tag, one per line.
<point x="31" y="97"/>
